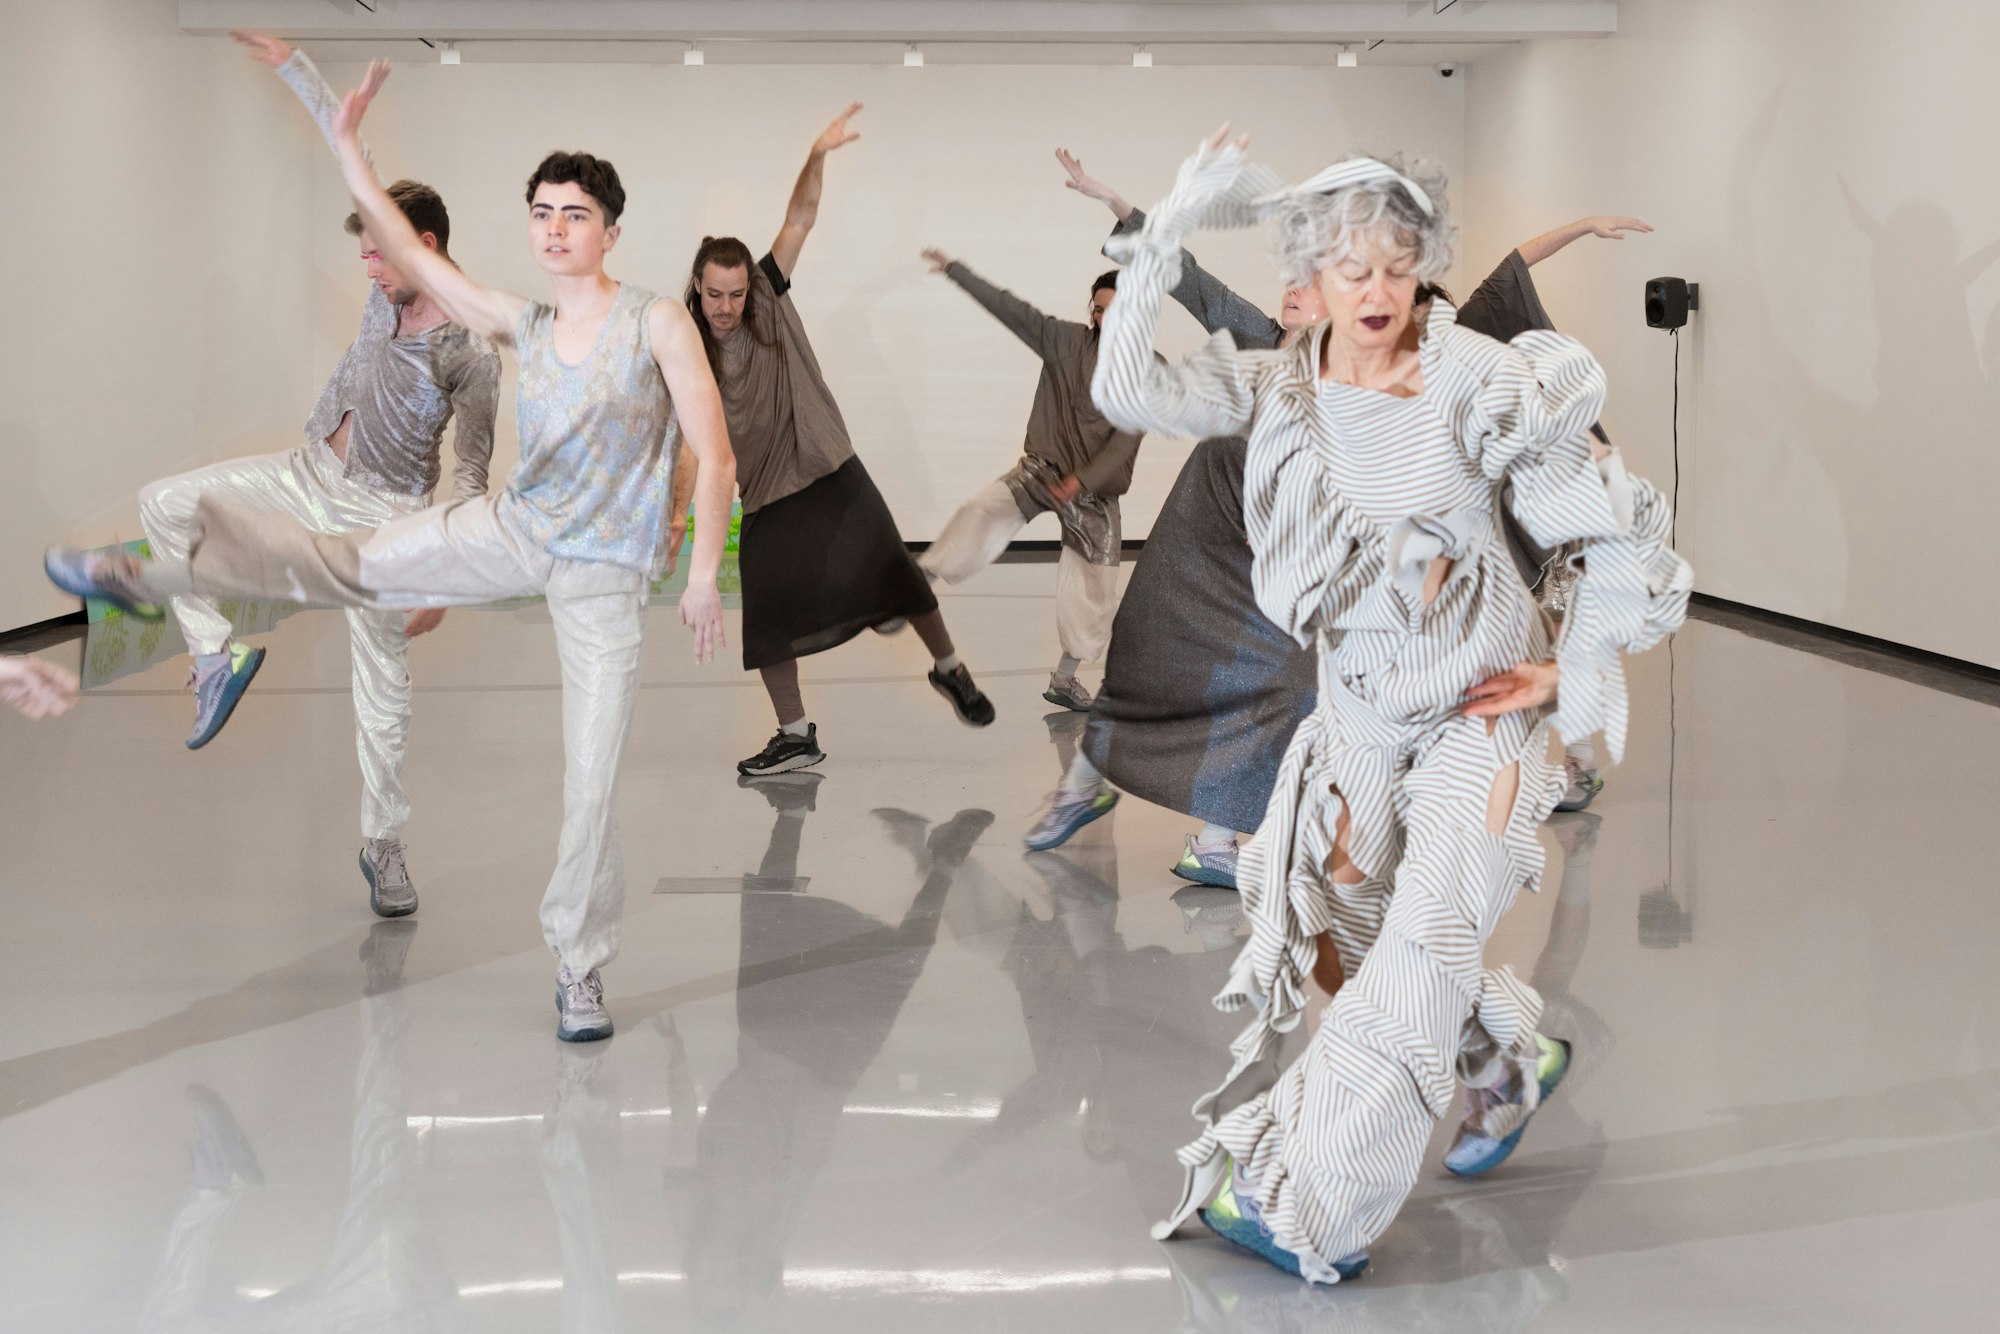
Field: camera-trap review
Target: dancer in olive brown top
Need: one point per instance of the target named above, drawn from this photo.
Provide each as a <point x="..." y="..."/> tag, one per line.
<point x="1073" y="462"/>
<point x="820" y="555"/>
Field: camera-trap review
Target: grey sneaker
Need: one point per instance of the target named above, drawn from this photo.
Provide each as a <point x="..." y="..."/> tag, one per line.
<point x="390" y="892"/>
<point x="219" y="680"/>
<point x="1068" y="692"/>
<point x="1208" y="863"/>
<point x="1067" y="814"/>
<point x="1580" y="788"/>
<point x="580" y="1007"/>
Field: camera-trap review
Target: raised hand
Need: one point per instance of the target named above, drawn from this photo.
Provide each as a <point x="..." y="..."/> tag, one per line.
<point x="1613" y="228"/>
<point x="1524" y="687"/>
<point x="272" y="51"/>
<point x="937" y="259"/>
<point x="837" y="135"/>
<point x="347" y="124"/>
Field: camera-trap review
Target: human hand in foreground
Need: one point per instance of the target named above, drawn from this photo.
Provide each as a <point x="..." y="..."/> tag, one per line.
<point x="38" y="689"/>
<point x="1525" y="687"/>
<point x="701" y="612"/>
<point x="272" y="51"/>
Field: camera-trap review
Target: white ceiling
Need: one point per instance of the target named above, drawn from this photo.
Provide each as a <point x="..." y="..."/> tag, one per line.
<point x="1083" y="32"/>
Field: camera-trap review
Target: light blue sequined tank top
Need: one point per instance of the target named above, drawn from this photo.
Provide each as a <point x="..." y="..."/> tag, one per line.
<point x="598" y="439"/>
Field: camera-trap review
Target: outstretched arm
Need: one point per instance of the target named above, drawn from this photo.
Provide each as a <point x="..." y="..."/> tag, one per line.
<point x="1091" y="188"/>
<point x="1041" y="332"/>
<point x="683" y="362"/>
<point x="803" y="210"/>
<point x="301" y="76"/>
<point x="1609" y="227"/>
<point x="483" y="310"/>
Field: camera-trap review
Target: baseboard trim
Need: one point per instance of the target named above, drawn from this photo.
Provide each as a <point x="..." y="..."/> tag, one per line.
<point x="42" y="634"/>
<point x="1958" y="676"/>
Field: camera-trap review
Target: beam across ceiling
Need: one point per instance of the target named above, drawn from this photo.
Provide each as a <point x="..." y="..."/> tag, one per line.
<point x="1015" y="21"/>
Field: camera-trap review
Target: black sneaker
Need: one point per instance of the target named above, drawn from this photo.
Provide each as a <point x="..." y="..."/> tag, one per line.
<point x="974" y="709"/>
<point x="784" y="753"/>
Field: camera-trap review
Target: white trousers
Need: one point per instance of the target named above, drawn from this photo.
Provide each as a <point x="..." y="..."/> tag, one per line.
<point x="1086" y="594"/>
<point x="478" y="551"/>
<point x="307" y="484"/>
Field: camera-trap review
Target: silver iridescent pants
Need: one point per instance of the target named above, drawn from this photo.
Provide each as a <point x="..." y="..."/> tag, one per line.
<point x="307" y="484"/>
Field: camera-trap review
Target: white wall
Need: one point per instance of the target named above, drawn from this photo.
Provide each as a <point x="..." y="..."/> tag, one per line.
<point x="155" y="273"/>
<point x="1819" y="166"/>
<point x="935" y="392"/>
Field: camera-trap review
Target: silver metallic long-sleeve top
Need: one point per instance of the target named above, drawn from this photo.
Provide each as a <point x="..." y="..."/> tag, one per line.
<point x="402" y="390"/>
<point x="1064" y="426"/>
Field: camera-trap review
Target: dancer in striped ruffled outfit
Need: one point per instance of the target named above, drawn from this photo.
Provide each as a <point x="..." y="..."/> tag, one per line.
<point x="1403" y="821"/>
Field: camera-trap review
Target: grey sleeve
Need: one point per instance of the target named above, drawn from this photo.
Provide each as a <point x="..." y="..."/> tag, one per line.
<point x="1109" y="470"/>
<point x="1041" y="332"/>
<point x="475" y="397"/>
<point x="303" y="77"/>
<point x="1214" y="306"/>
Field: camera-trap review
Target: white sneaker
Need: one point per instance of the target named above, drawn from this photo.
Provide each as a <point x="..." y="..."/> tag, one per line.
<point x="580" y="1007"/>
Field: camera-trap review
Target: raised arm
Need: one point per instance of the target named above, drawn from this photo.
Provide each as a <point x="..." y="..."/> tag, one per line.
<point x="803" y="210"/>
<point x="1091" y="188"/>
<point x="1211" y="301"/>
<point x="1610" y="227"/>
<point x="683" y="362"/>
<point x="484" y="310"/>
<point x="301" y="76"/>
<point x="1041" y="332"/>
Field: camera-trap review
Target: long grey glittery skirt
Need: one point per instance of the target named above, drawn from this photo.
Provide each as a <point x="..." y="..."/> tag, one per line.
<point x="1201" y="691"/>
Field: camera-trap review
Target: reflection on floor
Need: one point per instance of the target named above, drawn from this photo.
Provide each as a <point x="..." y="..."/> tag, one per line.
<point x="886" y="1072"/>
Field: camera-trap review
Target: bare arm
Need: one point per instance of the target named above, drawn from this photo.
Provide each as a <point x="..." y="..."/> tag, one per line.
<point x="1091" y="188"/>
<point x="483" y="310"/>
<point x="301" y="76"/>
<point x="803" y="210"/>
<point x="686" y="470"/>
<point x="1610" y="227"/>
<point x="678" y="352"/>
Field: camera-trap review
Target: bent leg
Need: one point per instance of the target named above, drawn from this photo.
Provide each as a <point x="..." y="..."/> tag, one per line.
<point x="975" y="536"/>
<point x="599" y="613"/>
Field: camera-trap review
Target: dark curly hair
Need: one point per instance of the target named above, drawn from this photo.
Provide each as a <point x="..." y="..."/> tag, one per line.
<point x="597" y="177"/>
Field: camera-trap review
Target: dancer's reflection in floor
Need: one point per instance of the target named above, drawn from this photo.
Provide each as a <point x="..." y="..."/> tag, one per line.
<point x="1465" y="1257"/>
<point x="383" y="1270"/>
<point x="580" y="1130"/>
<point x="819" y="986"/>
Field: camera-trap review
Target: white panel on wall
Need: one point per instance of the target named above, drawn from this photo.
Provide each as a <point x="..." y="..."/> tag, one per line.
<point x="1815" y="165"/>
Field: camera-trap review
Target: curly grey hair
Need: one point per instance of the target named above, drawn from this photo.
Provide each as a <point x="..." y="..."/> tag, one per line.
<point x="1316" y="231"/>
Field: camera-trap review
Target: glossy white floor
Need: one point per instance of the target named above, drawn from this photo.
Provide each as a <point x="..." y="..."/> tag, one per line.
<point x="901" y="1087"/>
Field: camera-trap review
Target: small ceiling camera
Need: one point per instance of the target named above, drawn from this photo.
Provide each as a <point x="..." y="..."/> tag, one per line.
<point x="1447" y="69"/>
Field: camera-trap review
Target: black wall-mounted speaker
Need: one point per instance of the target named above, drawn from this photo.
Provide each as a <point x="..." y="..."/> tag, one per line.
<point x="1668" y="301"/>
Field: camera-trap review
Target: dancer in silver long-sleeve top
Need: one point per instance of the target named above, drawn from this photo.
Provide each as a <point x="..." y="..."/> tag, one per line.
<point x="370" y="454"/>
<point x="1403" y="820"/>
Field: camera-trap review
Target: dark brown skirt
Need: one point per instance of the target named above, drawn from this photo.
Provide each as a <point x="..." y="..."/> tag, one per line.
<point x="1201" y="691"/>
<point x="820" y="566"/>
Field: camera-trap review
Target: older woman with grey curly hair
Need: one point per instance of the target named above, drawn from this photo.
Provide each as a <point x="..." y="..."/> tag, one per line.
<point x="1383" y="449"/>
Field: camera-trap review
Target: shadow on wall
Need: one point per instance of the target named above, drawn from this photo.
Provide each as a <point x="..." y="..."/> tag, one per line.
<point x="1884" y="446"/>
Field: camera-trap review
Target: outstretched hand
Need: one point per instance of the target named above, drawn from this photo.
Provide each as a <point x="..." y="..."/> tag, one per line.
<point x="1081" y="182"/>
<point x="347" y="123"/>
<point x="701" y="612"/>
<point x="1525" y="687"/>
<point x="937" y="259"/>
<point x="1613" y="228"/>
<point x="837" y="135"/>
<point x="272" y="51"/>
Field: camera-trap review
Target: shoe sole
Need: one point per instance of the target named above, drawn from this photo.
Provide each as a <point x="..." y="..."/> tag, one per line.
<point x="1505" y="1148"/>
<point x="1241" y="1232"/>
<point x="962" y="716"/>
<point x="145" y="611"/>
<point x="375" y="893"/>
<point x="1201" y="875"/>
<point x="1070" y="704"/>
<point x="231" y="693"/>
<point x="802" y="762"/>
<point x="581" y="1034"/>
<point x="1092" y="813"/>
